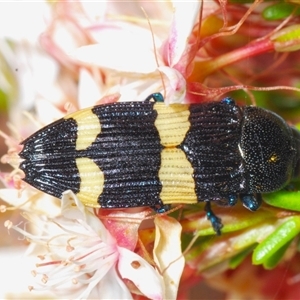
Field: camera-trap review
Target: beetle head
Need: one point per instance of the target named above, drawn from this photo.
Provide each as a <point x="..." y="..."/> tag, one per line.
<point x="269" y="150"/>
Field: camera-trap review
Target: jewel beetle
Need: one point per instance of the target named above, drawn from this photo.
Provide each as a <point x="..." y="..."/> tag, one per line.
<point x="130" y="154"/>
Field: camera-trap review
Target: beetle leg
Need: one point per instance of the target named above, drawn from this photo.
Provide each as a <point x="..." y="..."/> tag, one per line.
<point x="214" y="220"/>
<point x="157" y="97"/>
<point x="229" y="200"/>
<point x="251" y="201"/>
<point x="161" y="208"/>
<point x="232" y="199"/>
<point x="228" y="101"/>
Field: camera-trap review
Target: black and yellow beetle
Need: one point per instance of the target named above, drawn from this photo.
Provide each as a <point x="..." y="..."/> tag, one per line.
<point x="130" y="154"/>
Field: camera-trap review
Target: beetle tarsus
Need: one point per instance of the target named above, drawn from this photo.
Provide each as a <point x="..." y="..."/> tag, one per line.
<point x="228" y="101"/>
<point x="251" y="201"/>
<point x="157" y="97"/>
<point x="214" y="220"/>
<point x="160" y="209"/>
<point x="232" y="200"/>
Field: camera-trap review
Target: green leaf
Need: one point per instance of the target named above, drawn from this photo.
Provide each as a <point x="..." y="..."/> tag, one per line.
<point x="273" y="261"/>
<point x="284" y="199"/>
<point x="276" y="240"/>
<point x="238" y="259"/>
<point x="279" y="11"/>
<point x="287" y="39"/>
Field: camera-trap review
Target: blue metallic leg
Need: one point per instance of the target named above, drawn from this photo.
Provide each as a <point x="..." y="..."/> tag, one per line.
<point x="251" y="201"/>
<point x="214" y="220"/>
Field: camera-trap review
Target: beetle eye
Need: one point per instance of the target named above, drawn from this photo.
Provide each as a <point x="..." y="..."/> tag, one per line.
<point x="273" y="158"/>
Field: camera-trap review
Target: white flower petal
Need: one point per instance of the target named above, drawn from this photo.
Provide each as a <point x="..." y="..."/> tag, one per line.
<point x="88" y="90"/>
<point x="111" y="287"/>
<point x="184" y="19"/>
<point x="28" y="200"/>
<point x="124" y="50"/>
<point x="79" y="211"/>
<point x="104" y="283"/>
<point x="167" y="253"/>
<point x="141" y="273"/>
<point x="14" y="274"/>
<point x="175" y="85"/>
<point x="47" y="112"/>
<point x="94" y="11"/>
<point x="71" y="207"/>
<point x="33" y="21"/>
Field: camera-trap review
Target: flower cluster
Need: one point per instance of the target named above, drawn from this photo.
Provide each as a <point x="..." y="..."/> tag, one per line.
<point x="94" y="53"/>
